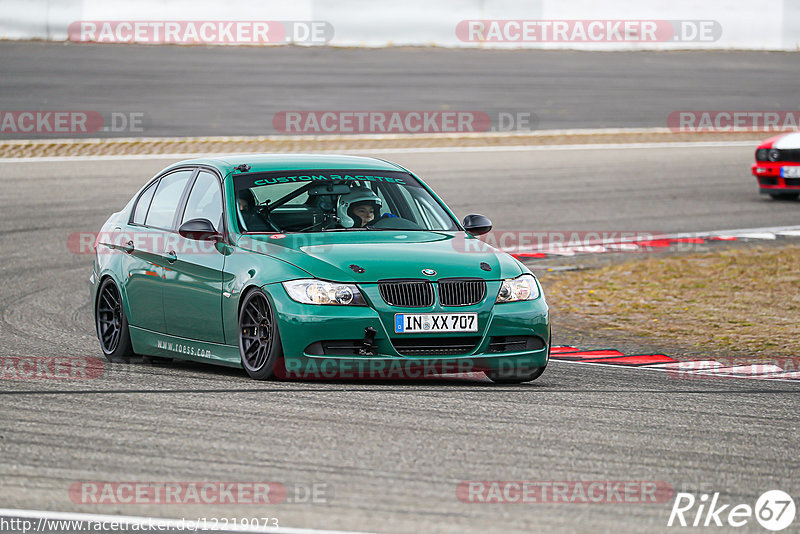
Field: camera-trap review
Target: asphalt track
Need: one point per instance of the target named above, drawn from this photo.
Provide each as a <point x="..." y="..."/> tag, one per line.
<point x="391" y="454"/>
<point x="195" y="90"/>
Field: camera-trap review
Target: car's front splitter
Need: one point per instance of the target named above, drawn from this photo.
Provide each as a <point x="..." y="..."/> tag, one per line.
<point x="771" y="180"/>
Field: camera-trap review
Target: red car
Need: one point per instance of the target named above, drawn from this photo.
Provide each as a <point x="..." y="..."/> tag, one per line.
<point x="777" y="166"/>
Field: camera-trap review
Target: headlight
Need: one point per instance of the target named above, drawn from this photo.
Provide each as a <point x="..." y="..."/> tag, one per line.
<point x="774" y="154"/>
<point x="523" y="287"/>
<point x="321" y="292"/>
<point x="762" y="154"/>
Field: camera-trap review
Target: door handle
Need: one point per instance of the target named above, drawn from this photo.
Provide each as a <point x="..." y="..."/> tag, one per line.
<point x="171" y="256"/>
<point x="128" y="247"/>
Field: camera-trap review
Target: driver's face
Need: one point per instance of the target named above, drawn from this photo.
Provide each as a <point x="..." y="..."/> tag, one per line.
<point x="242" y="204"/>
<point x="365" y="213"/>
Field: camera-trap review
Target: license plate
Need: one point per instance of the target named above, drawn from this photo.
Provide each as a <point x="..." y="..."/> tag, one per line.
<point x="790" y="172"/>
<point x="408" y="323"/>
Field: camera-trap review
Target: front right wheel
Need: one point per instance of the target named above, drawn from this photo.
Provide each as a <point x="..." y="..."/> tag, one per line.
<point x="259" y="341"/>
<point x="500" y="377"/>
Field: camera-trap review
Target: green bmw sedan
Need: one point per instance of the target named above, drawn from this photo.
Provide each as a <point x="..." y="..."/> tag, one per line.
<point x="312" y="266"/>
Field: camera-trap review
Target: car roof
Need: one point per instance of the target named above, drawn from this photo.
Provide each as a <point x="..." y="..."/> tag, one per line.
<point x="289" y="162"/>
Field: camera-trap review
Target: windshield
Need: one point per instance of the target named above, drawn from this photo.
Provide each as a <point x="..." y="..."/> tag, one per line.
<point x="340" y="200"/>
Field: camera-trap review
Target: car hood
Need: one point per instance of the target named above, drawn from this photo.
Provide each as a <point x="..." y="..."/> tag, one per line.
<point x="340" y="256"/>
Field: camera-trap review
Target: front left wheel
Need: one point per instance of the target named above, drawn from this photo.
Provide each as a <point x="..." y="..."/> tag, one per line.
<point x="112" y="323"/>
<point x="259" y="341"/>
<point x="520" y="375"/>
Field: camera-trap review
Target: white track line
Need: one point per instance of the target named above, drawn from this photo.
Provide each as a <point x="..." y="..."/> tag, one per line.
<point x="185" y="526"/>
<point x="512" y="148"/>
<point x="692" y="365"/>
<point x="755" y="235"/>
<point x="121" y="157"/>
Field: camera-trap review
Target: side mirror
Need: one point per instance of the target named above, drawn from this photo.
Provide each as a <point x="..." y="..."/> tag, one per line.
<point x="477" y="224"/>
<point x="199" y="229"/>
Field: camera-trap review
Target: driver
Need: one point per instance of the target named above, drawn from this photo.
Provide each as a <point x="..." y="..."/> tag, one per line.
<point x="358" y="208"/>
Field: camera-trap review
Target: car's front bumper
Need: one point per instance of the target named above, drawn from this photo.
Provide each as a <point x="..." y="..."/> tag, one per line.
<point x="768" y="174"/>
<point x="301" y="326"/>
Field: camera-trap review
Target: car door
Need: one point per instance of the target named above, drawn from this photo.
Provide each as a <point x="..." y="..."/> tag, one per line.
<point x="143" y="265"/>
<point x="193" y="279"/>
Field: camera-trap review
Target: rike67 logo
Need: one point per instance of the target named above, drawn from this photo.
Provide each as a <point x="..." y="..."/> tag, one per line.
<point x="774" y="510"/>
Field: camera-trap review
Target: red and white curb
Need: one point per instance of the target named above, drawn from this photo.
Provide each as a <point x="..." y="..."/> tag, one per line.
<point x="653" y="242"/>
<point x="696" y="369"/>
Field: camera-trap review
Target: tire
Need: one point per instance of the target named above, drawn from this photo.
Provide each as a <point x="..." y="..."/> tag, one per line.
<point x="112" y="323"/>
<point x="505" y="378"/>
<point x="784" y="196"/>
<point x="259" y="341"/>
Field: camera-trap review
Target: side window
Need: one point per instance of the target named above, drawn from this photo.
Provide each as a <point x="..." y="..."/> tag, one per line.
<point x="205" y="200"/>
<point x="143" y="204"/>
<point x="166" y="199"/>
